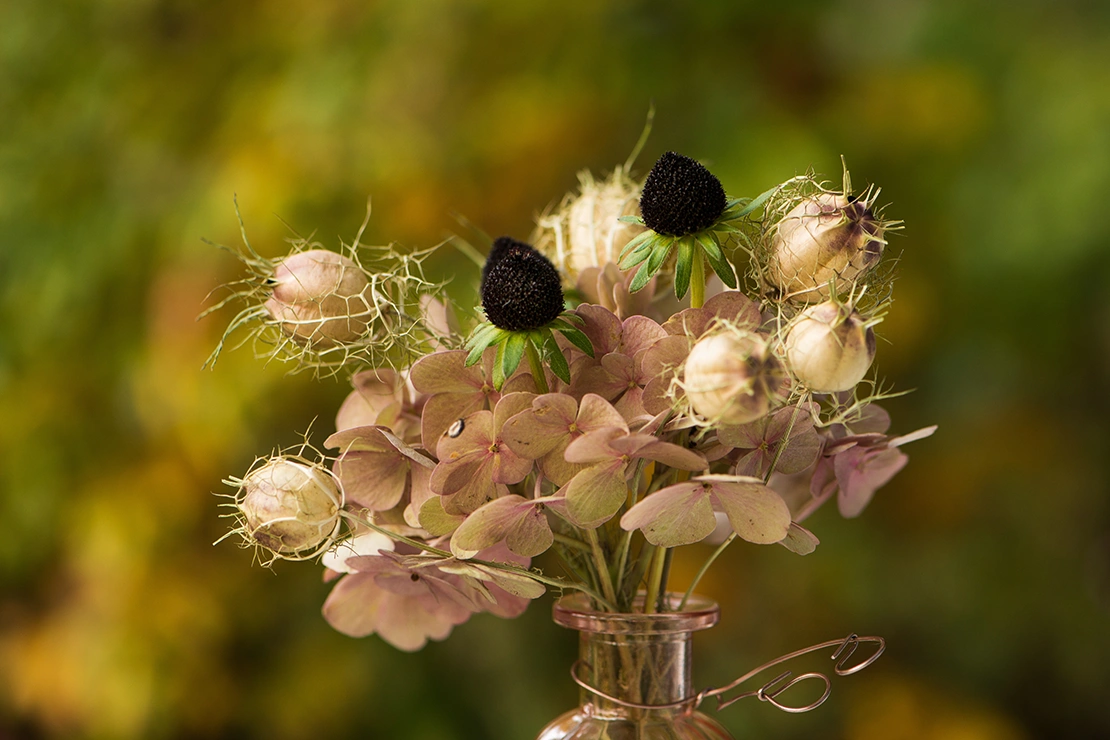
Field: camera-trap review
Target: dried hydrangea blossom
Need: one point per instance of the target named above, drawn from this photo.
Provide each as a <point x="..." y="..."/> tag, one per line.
<point x="474" y="459"/>
<point x="596" y="493"/>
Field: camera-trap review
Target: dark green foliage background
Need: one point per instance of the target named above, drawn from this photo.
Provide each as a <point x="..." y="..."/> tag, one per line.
<point x="127" y="126"/>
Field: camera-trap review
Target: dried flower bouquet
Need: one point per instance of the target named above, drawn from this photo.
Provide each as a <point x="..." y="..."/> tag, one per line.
<point x="590" y="413"/>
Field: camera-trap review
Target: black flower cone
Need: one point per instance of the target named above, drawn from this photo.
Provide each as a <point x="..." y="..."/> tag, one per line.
<point x="521" y="289"/>
<point x="681" y="197"/>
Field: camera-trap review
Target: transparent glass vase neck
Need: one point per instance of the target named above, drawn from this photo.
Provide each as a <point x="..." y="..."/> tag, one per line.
<point x="635" y="673"/>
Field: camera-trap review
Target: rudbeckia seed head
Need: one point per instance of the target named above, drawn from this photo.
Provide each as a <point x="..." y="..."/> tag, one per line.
<point x="520" y="287"/>
<point x="681" y="196"/>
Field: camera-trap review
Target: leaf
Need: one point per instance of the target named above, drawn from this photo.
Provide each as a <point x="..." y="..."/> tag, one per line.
<point x="641" y="253"/>
<point x="638" y="241"/>
<point x="717" y="260"/>
<point x="643" y="277"/>
<point x="758" y="201"/>
<point x="514" y="353"/>
<point x="499" y="367"/>
<point x="631" y="220"/>
<point x="681" y="514"/>
<point x="684" y="267"/>
<point x="577" y="338"/>
<point x="484" y="335"/>
<point x="554" y="358"/>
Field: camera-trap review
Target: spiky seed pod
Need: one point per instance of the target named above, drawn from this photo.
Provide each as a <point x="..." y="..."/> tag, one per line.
<point x="829" y="347"/>
<point x="732" y="377"/>
<point x="681" y="196"/>
<point x="289" y="507"/>
<point x="521" y="288"/>
<point x="595" y="234"/>
<point x="319" y="297"/>
<point x="824" y="238"/>
<point x="586" y="230"/>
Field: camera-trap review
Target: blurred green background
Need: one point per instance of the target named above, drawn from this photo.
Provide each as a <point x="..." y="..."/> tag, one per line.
<point x="126" y="127"/>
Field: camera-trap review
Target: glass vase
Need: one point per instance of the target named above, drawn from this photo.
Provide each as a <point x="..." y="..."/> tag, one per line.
<point x="638" y="667"/>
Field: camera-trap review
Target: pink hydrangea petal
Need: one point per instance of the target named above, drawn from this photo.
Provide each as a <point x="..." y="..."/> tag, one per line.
<point x="746" y="436"/>
<point x="631" y="405"/>
<point x="373" y="480"/>
<point x="736" y="307"/>
<point x="873" y="418"/>
<point x="420" y="491"/>
<point x="445" y="372"/>
<point x="757" y="513"/>
<point x="555" y="466"/>
<point x="509" y="405"/>
<point x="477" y="490"/>
<point x="800" y="540"/>
<point x="681" y="514"/>
<point x="650" y="448"/>
<point x="801" y="452"/>
<point x="596" y="413"/>
<point x="508" y="467"/>
<point x="534" y="433"/>
<point x="601" y="326"/>
<point x="596" y="446"/>
<point x="408" y="623"/>
<point x="376" y="392"/>
<point x="476" y="435"/>
<point x="452" y="475"/>
<point x="443" y="410"/>
<point x="517" y="521"/>
<point x="596" y="494"/>
<point x="860" y="472"/>
<point x="353" y="604"/>
<point x="638" y="333"/>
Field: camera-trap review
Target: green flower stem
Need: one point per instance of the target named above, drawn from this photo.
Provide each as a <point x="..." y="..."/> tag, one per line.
<point x="570" y="542"/>
<point x="697" y="280"/>
<point x="602" y="568"/>
<point x="626" y="537"/>
<point x="655" y="579"/>
<point x="538" y="376"/>
<point x="704" y="568"/>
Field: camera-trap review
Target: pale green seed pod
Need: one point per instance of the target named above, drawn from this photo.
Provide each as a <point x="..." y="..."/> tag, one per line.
<point x="319" y="298"/>
<point x="290" y="507"/>
<point x="732" y="377"/>
<point x="829" y="347"/>
<point x="826" y="238"/>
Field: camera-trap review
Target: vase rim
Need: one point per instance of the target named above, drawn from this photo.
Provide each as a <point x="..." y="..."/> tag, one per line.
<point x="574" y="611"/>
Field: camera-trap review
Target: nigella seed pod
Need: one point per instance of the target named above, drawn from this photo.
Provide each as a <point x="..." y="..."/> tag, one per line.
<point x="319" y="298"/>
<point x="289" y="507"/>
<point x="520" y="287"/>
<point x="824" y="238"/>
<point x="829" y="347"/>
<point x="732" y="377"/>
<point x="681" y="196"/>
